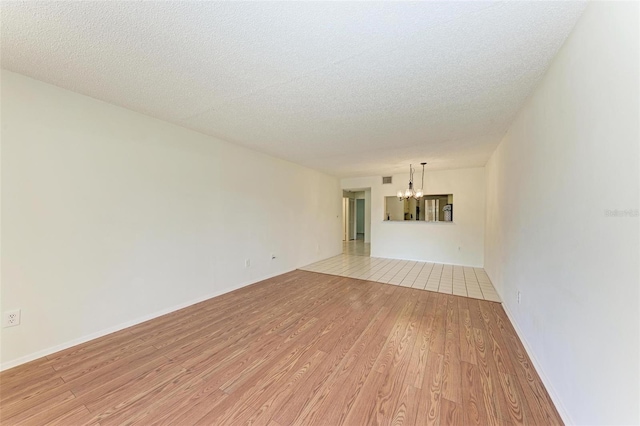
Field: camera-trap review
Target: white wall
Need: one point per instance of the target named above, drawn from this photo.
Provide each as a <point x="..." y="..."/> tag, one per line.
<point x="458" y="243"/>
<point x="571" y="153"/>
<point x="110" y="217"/>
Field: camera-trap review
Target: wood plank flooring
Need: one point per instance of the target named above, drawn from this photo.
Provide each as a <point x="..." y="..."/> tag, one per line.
<point x="300" y="348"/>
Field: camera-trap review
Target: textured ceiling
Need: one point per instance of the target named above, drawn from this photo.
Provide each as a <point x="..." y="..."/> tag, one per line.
<point x="349" y="88"/>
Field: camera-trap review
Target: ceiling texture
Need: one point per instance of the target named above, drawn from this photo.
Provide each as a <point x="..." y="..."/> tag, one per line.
<point x="347" y="88"/>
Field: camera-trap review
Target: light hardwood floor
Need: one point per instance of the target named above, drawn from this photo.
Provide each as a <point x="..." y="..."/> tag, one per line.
<point x="300" y="348"/>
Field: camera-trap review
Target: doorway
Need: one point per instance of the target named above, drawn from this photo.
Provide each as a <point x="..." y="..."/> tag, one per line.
<point x="349" y="219"/>
<point x="356" y="226"/>
<point x="360" y="206"/>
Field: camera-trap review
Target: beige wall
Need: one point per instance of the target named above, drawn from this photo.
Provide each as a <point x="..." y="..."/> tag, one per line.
<point x="571" y="153"/>
<point x="110" y="217"/>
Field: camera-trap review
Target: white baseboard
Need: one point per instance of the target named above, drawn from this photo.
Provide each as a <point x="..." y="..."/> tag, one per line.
<point x="53" y="349"/>
<point x="553" y="394"/>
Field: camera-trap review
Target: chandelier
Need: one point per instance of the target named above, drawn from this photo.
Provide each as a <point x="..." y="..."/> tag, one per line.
<point x="410" y="192"/>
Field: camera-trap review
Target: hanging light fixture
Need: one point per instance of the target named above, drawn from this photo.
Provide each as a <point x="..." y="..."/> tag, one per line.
<point x="420" y="192"/>
<point x="410" y="192"/>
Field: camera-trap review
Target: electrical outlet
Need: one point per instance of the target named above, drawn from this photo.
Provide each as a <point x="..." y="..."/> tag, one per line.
<point x="11" y="318"/>
<point x="247" y="263"/>
<point x="519" y="297"/>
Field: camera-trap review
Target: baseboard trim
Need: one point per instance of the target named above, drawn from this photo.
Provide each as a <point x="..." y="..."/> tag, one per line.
<point x="553" y="394"/>
<point x="53" y="349"/>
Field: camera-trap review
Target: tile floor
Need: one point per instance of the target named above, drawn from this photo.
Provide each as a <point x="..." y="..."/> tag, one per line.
<point x="356" y="248"/>
<point x="458" y="280"/>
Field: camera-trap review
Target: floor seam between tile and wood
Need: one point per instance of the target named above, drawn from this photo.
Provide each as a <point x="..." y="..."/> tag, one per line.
<point x="449" y="279"/>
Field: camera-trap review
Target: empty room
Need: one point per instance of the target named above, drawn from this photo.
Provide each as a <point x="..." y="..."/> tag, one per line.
<point x="320" y="213"/>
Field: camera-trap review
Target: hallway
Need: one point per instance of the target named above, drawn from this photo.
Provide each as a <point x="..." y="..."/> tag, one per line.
<point x="356" y="248"/>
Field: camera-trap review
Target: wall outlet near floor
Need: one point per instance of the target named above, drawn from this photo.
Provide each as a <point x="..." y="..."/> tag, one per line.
<point x="11" y="318"/>
<point x="519" y="297"/>
<point x="247" y="263"/>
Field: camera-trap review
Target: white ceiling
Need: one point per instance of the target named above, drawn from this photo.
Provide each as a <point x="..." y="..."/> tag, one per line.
<point x="349" y="88"/>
